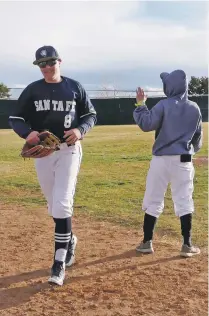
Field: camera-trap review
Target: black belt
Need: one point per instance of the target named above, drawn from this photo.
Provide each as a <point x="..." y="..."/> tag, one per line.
<point x="185" y="158"/>
<point x="67" y="144"/>
<point x="63" y="142"/>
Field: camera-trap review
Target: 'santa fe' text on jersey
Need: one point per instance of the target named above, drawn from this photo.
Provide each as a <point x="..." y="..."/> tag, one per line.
<point x="56" y="107"/>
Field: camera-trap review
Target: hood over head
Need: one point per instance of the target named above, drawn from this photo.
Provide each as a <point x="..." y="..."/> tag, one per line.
<point x="175" y="83"/>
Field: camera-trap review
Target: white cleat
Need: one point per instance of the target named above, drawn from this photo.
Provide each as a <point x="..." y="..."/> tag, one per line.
<point x="70" y="257"/>
<point x="188" y="252"/>
<point x="145" y="247"/>
<point x="57" y="273"/>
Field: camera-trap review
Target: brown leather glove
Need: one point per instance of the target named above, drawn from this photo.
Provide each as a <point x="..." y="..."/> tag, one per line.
<point x="48" y="143"/>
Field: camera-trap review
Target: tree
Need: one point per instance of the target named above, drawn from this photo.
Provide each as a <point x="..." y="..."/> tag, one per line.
<point x="4" y="91"/>
<point x="198" y="86"/>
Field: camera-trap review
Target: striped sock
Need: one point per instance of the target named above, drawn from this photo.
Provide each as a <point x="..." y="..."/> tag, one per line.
<point x="62" y="237"/>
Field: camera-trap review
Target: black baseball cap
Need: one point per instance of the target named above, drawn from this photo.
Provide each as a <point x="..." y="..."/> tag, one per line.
<point x="45" y="53"/>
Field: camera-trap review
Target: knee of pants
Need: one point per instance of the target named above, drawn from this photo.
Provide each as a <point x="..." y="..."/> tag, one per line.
<point x="153" y="209"/>
<point x="184" y="208"/>
<point x="62" y="210"/>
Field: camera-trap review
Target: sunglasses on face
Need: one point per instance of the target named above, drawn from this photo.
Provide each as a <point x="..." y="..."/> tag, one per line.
<point x="50" y="63"/>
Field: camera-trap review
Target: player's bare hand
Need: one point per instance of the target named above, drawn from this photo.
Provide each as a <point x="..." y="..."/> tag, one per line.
<point x="140" y="96"/>
<point x="72" y="136"/>
<point x="33" y="138"/>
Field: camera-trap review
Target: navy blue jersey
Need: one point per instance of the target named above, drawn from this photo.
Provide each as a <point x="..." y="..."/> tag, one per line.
<point x="56" y="107"/>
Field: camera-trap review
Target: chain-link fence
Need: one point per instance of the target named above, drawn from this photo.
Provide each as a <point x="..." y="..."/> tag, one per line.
<point x="104" y="93"/>
<point x="101" y="93"/>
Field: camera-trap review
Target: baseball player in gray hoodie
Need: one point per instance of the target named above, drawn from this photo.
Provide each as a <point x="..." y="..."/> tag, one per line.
<point x="177" y="123"/>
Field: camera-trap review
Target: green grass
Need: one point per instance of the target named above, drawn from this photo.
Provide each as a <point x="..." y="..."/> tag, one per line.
<point x="111" y="181"/>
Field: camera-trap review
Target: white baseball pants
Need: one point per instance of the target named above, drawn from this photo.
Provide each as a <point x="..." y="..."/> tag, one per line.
<point x="164" y="170"/>
<point x="57" y="176"/>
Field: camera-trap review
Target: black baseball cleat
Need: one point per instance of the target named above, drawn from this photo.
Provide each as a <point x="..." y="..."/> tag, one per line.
<point x="70" y="257"/>
<point x="57" y="273"/>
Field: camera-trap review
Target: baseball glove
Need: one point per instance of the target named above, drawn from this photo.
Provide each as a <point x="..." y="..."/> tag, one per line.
<point x="48" y="144"/>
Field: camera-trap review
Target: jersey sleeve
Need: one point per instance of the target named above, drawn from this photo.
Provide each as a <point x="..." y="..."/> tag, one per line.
<point x="85" y="105"/>
<point x="197" y="139"/>
<point x="86" y="111"/>
<point x="149" y="120"/>
<point x="19" y="120"/>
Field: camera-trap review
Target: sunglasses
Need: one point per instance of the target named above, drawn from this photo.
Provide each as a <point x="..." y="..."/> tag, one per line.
<point x="50" y="63"/>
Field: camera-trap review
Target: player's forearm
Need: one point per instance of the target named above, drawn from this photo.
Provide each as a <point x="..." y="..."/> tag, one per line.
<point x="149" y="120"/>
<point x="20" y="127"/>
<point x="197" y="141"/>
<point x="142" y="118"/>
<point x="87" y="122"/>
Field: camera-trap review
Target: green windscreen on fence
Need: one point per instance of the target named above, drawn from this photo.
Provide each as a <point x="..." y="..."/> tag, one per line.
<point x="118" y="111"/>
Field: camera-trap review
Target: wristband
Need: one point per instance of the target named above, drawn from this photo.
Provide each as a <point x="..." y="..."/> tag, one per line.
<point x="140" y="103"/>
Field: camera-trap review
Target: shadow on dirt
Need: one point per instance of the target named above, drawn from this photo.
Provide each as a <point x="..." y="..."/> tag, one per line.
<point x="13" y="297"/>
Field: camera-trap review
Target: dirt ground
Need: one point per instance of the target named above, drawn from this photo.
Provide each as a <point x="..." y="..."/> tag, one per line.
<point x="108" y="278"/>
<point x="200" y="161"/>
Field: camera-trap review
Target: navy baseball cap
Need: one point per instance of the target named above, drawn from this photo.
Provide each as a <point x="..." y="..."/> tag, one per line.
<point x="45" y="53"/>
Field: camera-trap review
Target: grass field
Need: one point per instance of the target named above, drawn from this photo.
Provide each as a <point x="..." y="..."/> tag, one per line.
<point x="111" y="182"/>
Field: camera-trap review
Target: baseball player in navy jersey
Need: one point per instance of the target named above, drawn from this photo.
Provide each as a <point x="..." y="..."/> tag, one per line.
<point x="60" y="105"/>
<point x="177" y="123"/>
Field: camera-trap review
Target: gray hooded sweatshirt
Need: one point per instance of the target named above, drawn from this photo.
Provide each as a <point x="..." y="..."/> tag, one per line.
<point x="176" y="120"/>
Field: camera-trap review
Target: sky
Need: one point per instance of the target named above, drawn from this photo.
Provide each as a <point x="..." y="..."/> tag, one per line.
<point x="105" y="44"/>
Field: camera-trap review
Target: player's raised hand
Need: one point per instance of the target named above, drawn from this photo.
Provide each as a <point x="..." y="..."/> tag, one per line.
<point x="140" y="96"/>
<point x="72" y="136"/>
